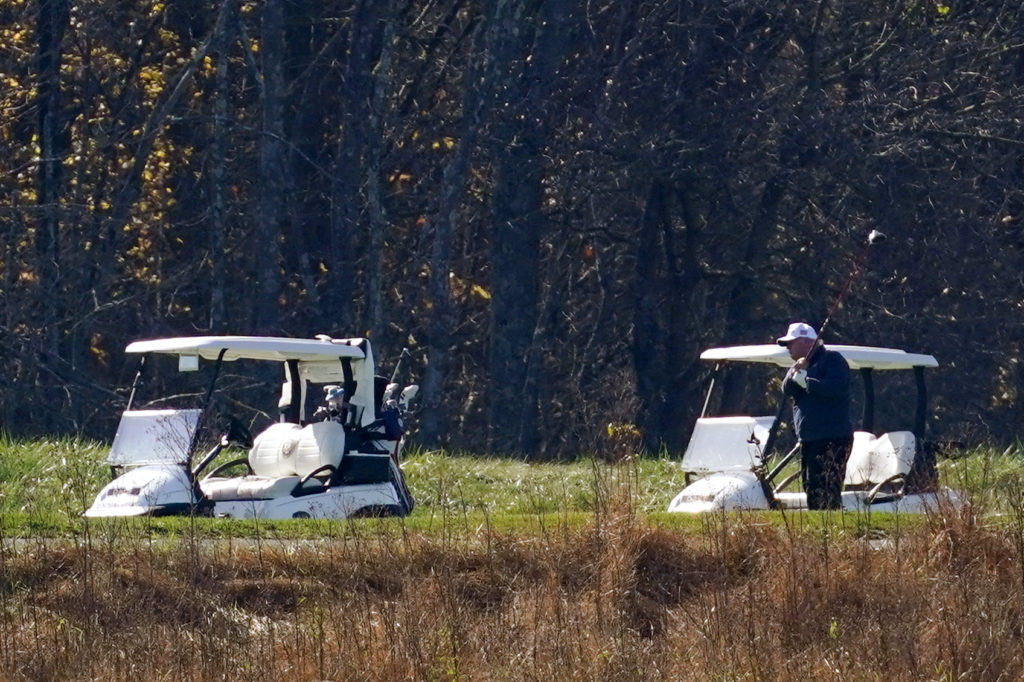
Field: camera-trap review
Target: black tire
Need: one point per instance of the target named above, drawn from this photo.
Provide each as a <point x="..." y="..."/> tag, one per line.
<point x="376" y="511"/>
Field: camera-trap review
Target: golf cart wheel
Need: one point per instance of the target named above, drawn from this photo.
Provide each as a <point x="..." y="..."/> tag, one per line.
<point x="377" y="511"/>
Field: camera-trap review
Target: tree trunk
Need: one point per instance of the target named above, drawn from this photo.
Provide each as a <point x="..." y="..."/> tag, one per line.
<point x="272" y="169"/>
<point x="374" y="177"/>
<point x="519" y="222"/>
<point x="665" y="340"/>
<point x="648" y="326"/>
<point x="351" y="172"/>
<point x="515" y="261"/>
<point x="219" y="189"/>
<point x="53" y="20"/>
<point x="479" y="83"/>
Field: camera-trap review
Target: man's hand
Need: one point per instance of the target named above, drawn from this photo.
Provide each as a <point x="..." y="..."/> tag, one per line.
<point x="800" y="364"/>
<point x="799" y="377"/>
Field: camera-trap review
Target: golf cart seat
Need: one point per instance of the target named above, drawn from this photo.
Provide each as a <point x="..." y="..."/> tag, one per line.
<point x="880" y="464"/>
<point x="726" y="444"/>
<point x="283" y="459"/>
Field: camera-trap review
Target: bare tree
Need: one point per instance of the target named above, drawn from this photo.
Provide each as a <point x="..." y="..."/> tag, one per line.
<point x="273" y="166"/>
<point x="526" y="97"/>
<point x="478" y="88"/>
<point x="52" y="21"/>
<point x="219" y="182"/>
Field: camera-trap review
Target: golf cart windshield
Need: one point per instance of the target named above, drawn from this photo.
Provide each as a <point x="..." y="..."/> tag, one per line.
<point x="725" y="443"/>
<point x="154" y="437"/>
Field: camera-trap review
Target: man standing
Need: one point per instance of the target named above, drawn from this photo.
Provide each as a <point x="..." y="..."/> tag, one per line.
<point x="819" y="384"/>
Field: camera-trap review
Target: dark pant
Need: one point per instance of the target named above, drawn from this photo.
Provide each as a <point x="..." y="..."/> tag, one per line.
<point x="824" y="468"/>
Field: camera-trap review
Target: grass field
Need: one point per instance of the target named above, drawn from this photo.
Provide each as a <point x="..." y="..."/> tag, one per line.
<point x="509" y="571"/>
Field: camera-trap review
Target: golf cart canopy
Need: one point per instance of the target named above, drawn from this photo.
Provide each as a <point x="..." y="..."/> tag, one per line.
<point x="253" y="347"/>
<point x="323" y="360"/>
<point x="858" y="357"/>
<point x="863" y="359"/>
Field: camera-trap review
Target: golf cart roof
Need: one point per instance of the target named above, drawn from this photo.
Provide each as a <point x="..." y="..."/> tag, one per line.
<point x="254" y="347"/>
<point x="858" y="357"/>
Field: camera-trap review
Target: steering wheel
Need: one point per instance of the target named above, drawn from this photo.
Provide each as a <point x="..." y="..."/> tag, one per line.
<point x="236" y="431"/>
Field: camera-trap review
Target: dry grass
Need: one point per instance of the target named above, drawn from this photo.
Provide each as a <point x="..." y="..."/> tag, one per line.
<point x="582" y="581"/>
<point x="617" y="599"/>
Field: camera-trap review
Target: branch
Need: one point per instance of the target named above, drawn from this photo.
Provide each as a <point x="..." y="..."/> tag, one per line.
<point x="56" y="366"/>
<point x="130" y="189"/>
<point x="985" y="137"/>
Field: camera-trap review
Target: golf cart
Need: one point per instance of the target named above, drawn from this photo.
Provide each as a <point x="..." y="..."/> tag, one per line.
<point x="335" y="460"/>
<point x="730" y="461"/>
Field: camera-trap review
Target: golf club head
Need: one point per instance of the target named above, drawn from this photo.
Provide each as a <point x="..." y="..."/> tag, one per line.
<point x="875" y="236"/>
<point x="409" y="392"/>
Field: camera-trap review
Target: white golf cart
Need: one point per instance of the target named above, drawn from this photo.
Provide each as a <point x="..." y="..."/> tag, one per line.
<point x="338" y="461"/>
<point x="729" y="461"/>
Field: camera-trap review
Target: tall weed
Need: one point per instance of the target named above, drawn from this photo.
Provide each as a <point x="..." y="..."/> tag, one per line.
<point x="460" y="592"/>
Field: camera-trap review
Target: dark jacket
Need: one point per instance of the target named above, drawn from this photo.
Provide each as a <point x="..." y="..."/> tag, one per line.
<point x="822" y="410"/>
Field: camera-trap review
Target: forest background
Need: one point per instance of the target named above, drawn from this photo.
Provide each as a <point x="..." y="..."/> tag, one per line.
<point x="554" y="204"/>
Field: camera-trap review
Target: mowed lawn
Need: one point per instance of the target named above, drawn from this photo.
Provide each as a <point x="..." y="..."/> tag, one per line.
<point x="45" y="484"/>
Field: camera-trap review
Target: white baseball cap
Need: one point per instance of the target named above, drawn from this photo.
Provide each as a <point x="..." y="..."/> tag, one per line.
<point x="798" y="330"/>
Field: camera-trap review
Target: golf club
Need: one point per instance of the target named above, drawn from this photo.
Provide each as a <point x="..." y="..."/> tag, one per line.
<point x="874" y="237"/>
